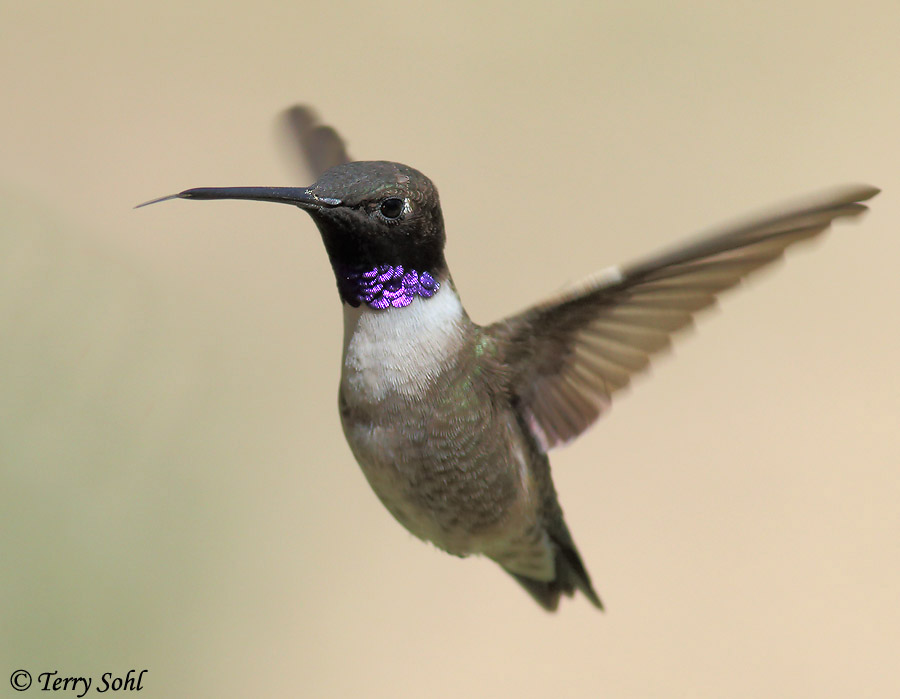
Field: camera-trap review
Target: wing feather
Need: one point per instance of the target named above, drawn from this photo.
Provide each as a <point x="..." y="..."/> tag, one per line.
<point x="316" y="147"/>
<point x="570" y="354"/>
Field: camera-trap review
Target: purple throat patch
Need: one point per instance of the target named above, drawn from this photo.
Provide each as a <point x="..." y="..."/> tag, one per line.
<point x="385" y="286"/>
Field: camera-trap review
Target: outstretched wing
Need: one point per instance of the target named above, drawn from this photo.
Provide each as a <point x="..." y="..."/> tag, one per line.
<point x="317" y="147"/>
<point x="570" y="354"/>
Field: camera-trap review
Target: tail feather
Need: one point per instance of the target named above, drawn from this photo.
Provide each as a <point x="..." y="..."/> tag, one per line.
<point x="570" y="576"/>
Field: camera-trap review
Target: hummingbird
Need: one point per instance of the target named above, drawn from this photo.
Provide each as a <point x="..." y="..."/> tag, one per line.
<point x="452" y="422"/>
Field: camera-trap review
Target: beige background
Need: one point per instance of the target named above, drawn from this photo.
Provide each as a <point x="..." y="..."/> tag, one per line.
<point x="175" y="491"/>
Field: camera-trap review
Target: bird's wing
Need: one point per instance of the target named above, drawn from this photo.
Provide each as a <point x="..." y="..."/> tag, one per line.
<point x="571" y="353"/>
<point x="316" y="146"/>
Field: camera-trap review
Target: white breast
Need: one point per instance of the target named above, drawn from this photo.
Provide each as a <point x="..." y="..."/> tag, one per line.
<point x="398" y="350"/>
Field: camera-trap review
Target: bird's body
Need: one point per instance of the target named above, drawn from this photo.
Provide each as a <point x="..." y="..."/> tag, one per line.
<point x="450" y="421"/>
<point x="418" y="413"/>
<point x="426" y="410"/>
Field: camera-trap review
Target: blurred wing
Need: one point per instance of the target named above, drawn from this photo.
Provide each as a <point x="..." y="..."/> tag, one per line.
<point x="317" y="147"/>
<point x="570" y="354"/>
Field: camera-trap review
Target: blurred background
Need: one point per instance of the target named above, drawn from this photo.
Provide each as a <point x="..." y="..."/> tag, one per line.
<point x="175" y="490"/>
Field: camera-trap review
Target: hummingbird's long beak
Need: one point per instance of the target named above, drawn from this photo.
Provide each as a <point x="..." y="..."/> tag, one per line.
<point x="298" y="196"/>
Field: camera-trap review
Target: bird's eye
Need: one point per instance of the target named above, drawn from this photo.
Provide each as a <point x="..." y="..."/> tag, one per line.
<point x="391" y="208"/>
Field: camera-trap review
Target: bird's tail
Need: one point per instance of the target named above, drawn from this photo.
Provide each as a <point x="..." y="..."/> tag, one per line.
<point x="570" y="576"/>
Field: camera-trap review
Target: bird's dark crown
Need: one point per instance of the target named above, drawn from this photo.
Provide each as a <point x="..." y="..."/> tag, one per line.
<point x="389" y="214"/>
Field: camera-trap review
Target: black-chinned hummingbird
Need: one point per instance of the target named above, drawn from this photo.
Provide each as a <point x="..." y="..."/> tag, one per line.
<point x="450" y="421"/>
